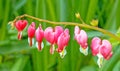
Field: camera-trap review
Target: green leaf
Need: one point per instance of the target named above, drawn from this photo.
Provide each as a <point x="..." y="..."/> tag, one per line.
<point x="88" y="68"/>
<point x="92" y="34"/>
<point x="20" y="64"/>
<point x="9" y="47"/>
<point x="1" y="9"/>
<point x="117" y="66"/>
<point x="117" y="15"/>
<point x="111" y="16"/>
<point x="5" y="20"/>
<point x="19" y="4"/>
<point x="113" y="41"/>
<point x="92" y="8"/>
<point x="83" y="6"/>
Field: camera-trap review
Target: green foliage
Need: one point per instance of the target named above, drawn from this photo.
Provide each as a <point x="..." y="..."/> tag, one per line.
<point x="16" y="55"/>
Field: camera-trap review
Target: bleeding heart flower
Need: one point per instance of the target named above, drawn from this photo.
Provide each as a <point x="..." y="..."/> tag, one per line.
<point x="102" y="49"/>
<point x="39" y="37"/>
<point x="31" y="33"/>
<point x="51" y="35"/>
<point x="81" y="38"/>
<point x="62" y="42"/>
<point x="20" y="25"/>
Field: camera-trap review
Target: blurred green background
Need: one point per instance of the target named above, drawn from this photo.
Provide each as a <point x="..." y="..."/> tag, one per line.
<point x="16" y="55"/>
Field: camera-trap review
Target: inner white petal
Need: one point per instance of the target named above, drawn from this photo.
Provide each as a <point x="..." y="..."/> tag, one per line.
<point x="63" y="53"/>
<point x="20" y="34"/>
<point x="28" y="40"/>
<point x="36" y="44"/>
<point x="100" y="60"/>
<point x="32" y="41"/>
<point x="84" y="51"/>
<point x="42" y="45"/>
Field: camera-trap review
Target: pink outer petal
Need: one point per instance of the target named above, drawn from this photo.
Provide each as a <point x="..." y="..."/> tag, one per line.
<point x="76" y="30"/>
<point x="31" y="30"/>
<point x="21" y="24"/>
<point x="105" y="48"/>
<point x="49" y="35"/>
<point x="63" y="40"/>
<point x="60" y="43"/>
<point x="109" y="56"/>
<point x="67" y="37"/>
<point x="24" y="24"/>
<point x="82" y="39"/>
<point x="39" y="34"/>
<point x="58" y="31"/>
<point x="95" y="44"/>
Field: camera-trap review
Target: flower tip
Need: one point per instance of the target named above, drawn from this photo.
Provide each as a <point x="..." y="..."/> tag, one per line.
<point x="66" y="30"/>
<point x="58" y="50"/>
<point x="52" y="49"/>
<point x="40" y="46"/>
<point x="109" y="56"/>
<point x="19" y="35"/>
<point x="76" y="30"/>
<point x="84" y="50"/>
<point x="31" y="41"/>
<point x="100" y="60"/>
<point x="33" y="24"/>
<point x="63" y="53"/>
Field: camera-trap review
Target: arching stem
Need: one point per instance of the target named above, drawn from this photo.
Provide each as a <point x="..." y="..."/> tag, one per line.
<point x="70" y="23"/>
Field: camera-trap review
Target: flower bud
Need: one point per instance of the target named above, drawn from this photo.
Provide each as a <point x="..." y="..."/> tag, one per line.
<point x="39" y="33"/>
<point x="31" y="33"/>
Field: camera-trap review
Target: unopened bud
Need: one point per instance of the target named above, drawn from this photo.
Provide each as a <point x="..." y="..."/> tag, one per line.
<point x="77" y="15"/>
<point x="94" y="22"/>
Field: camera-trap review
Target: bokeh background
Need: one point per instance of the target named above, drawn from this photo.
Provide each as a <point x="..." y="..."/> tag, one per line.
<point x="16" y="55"/>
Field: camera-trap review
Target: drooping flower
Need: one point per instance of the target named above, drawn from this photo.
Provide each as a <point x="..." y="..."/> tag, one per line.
<point x="20" y="25"/>
<point x="39" y="34"/>
<point x="31" y="33"/>
<point x="102" y="49"/>
<point x="62" y="42"/>
<point x="51" y="35"/>
<point x="81" y="38"/>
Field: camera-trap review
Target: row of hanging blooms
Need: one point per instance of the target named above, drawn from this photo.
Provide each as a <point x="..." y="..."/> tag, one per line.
<point x="57" y="35"/>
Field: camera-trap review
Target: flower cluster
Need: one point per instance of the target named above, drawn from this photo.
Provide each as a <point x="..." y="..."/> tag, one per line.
<point x="60" y="37"/>
<point x="54" y="36"/>
<point x="102" y="49"/>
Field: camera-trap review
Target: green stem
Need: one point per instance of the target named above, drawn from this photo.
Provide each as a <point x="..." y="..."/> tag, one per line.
<point x="70" y="23"/>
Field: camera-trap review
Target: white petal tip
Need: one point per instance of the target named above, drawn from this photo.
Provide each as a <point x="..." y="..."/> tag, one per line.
<point x="84" y="51"/>
<point x="28" y="40"/>
<point x="100" y="60"/>
<point x="32" y="41"/>
<point x="42" y="45"/>
<point x="63" y="53"/>
<point x="36" y="44"/>
<point x="52" y="49"/>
